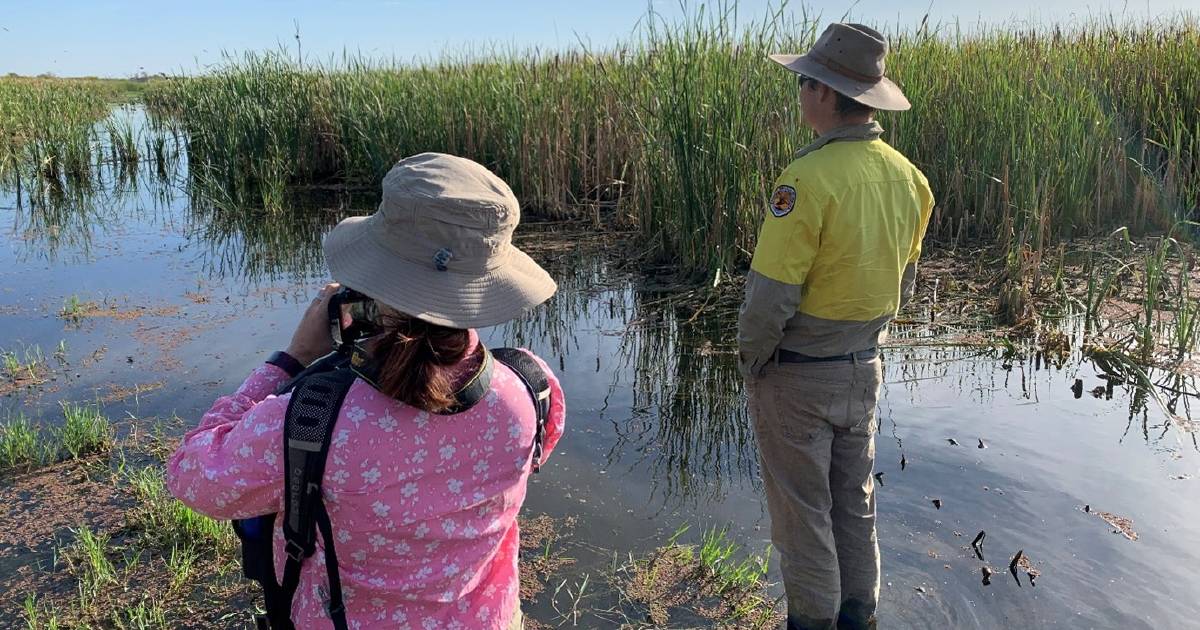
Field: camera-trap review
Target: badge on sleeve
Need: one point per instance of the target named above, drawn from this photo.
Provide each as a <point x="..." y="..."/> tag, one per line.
<point x="782" y="201"/>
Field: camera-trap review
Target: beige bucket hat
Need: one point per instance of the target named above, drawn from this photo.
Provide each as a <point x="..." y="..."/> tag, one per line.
<point x="440" y="246"/>
<point x="850" y="59"/>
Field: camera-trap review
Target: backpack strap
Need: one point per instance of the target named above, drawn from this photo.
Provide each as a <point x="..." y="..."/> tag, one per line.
<point x="538" y="384"/>
<point x="308" y="429"/>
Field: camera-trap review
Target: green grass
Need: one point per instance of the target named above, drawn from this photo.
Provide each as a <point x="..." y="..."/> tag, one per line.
<point x="74" y="308"/>
<point x="88" y="558"/>
<point x="1028" y="135"/>
<point x="713" y="578"/>
<point x="20" y="444"/>
<point x="26" y="365"/>
<point x="38" y="617"/>
<point x="146" y="615"/>
<point x="84" y="431"/>
<point x="718" y="555"/>
<point x="181" y="565"/>
<point x="167" y="523"/>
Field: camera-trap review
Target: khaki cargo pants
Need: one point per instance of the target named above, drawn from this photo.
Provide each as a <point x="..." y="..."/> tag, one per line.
<point x="815" y="424"/>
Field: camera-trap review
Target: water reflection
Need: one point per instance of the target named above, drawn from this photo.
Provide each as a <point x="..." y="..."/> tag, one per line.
<point x="672" y="398"/>
<point x="67" y="210"/>
<point x="260" y="246"/>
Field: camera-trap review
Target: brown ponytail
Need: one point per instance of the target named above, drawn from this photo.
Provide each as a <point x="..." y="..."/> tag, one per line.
<point x="413" y="356"/>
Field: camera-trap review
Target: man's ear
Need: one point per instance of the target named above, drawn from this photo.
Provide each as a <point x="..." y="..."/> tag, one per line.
<point x="827" y="93"/>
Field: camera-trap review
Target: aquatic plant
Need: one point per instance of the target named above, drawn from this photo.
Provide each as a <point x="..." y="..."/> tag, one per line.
<point x="1028" y="134"/>
<point x="46" y="128"/>
<point x="24" y="367"/>
<point x="85" y="430"/>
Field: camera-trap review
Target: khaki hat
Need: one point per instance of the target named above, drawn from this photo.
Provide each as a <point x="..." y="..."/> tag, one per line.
<point x="850" y="59"/>
<point x="440" y="246"/>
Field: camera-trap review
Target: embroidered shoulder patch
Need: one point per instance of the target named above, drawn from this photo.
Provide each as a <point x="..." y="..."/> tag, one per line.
<point x="783" y="200"/>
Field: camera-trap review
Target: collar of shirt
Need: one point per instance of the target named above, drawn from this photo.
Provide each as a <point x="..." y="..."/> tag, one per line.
<point x="864" y="131"/>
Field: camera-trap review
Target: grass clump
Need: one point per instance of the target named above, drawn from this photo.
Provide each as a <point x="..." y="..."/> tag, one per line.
<point x="37" y="616"/>
<point x="23" y="368"/>
<point x="167" y="523"/>
<point x="88" y="559"/>
<point x="708" y="578"/>
<point x="21" y="445"/>
<point x="85" y="431"/>
<point x="74" y="308"/>
<point x="146" y="615"/>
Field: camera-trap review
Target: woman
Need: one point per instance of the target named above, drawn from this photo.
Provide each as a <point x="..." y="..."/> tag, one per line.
<point x="423" y="503"/>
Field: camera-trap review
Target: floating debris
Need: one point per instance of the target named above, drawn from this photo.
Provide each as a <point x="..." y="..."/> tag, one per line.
<point x="1012" y="565"/>
<point x="879" y="478"/>
<point x="977" y="544"/>
<point x="952" y="441"/>
<point x="1021" y="561"/>
<point x="1120" y="524"/>
<point x="981" y="444"/>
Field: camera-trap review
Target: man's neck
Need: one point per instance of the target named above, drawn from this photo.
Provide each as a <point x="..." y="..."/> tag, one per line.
<point x="844" y="121"/>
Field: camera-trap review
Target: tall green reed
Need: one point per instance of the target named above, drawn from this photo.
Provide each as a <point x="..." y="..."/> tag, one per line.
<point x="678" y="132"/>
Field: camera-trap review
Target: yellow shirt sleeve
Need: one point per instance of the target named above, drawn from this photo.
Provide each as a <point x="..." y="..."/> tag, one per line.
<point x="927" y="202"/>
<point x="791" y="232"/>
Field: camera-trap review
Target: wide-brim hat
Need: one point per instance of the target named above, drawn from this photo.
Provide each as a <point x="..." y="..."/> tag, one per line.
<point x="850" y="59"/>
<point x="439" y="247"/>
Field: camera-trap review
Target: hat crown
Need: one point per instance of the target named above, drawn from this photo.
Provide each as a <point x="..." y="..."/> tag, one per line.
<point x="455" y="208"/>
<point x="855" y="51"/>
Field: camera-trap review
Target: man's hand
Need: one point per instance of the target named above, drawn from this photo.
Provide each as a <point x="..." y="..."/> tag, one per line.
<point x="311" y="340"/>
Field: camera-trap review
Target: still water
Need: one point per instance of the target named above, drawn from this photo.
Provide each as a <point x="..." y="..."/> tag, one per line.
<point x="196" y="294"/>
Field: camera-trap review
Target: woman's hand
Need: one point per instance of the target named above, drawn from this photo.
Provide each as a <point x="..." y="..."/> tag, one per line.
<point x="311" y="340"/>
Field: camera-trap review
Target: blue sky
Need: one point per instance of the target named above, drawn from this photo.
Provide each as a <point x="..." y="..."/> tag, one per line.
<point x="119" y="37"/>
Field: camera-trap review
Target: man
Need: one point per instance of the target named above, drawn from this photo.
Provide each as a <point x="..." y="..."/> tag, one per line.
<point x="836" y="258"/>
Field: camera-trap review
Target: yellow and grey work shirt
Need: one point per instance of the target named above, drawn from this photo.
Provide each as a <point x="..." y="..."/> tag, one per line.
<point x="837" y="252"/>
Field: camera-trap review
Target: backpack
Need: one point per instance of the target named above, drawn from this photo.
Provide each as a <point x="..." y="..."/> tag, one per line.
<point x="317" y="396"/>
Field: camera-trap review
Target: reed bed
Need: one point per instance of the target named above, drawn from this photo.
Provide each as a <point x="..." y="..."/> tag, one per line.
<point x="60" y="138"/>
<point x="46" y="125"/>
<point x="1046" y="132"/>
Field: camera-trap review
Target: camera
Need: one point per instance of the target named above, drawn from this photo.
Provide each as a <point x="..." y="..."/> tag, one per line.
<point x="352" y="317"/>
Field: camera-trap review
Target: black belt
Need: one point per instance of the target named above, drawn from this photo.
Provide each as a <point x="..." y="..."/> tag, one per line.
<point x="787" y="356"/>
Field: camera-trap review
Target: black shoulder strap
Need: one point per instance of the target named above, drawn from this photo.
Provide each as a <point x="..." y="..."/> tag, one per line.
<point x="538" y="384"/>
<point x="308" y="429"/>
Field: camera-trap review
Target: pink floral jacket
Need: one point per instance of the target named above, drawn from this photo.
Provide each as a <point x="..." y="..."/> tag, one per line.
<point x="424" y="507"/>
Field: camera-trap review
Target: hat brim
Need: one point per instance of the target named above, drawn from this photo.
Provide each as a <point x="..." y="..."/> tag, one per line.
<point x="455" y="298"/>
<point x="883" y="94"/>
